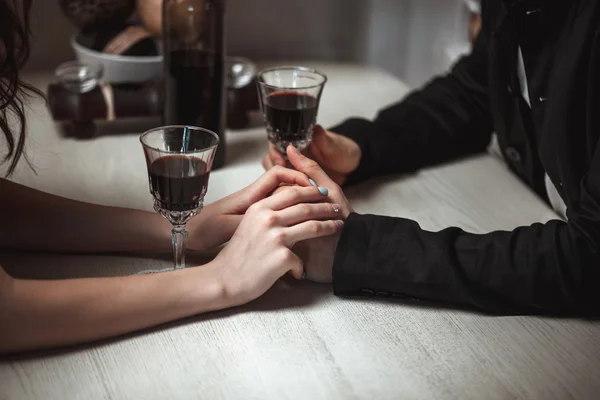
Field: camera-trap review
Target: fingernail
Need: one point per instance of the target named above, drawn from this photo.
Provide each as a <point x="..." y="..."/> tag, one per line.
<point x="313" y="182"/>
<point x="339" y="223"/>
<point x="294" y="150"/>
<point x="336" y="208"/>
<point x="323" y="191"/>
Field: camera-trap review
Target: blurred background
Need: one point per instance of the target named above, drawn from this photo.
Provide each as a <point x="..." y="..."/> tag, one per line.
<point x="412" y="39"/>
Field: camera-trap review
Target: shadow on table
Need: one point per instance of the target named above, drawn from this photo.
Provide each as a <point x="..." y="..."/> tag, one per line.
<point x="372" y="188"/>
<point x="461" y="309"/>
<point x="37" y="265"/>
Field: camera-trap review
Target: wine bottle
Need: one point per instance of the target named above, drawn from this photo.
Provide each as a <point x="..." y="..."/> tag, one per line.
<point x="194" y="58"/>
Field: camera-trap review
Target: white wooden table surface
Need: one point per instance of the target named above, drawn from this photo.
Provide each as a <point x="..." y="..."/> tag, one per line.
<point x="299" y="341"/>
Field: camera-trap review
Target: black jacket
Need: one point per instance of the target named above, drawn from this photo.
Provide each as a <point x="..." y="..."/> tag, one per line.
<point x="543" y="268"/>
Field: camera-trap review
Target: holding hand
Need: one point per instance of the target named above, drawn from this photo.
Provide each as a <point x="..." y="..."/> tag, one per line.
<point x="338" y="155"/>
<point x="218" y="221"/>
<point x="259" y="251"/>
<point x="318" y="254"/>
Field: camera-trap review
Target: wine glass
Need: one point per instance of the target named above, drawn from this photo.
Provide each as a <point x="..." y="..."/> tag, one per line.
<point x="179" y="160"/>
<point x="289" y="99"/>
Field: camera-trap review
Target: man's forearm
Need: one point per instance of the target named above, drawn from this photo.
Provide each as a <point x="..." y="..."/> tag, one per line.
<point x="448" y="118"/>
<point x="543" y="268"/>
<point x="33" y="220"/>
<point x="41" y="314"/>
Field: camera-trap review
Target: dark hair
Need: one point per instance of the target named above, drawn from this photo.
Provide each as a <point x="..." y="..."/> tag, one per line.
<point x="14" y="51"/>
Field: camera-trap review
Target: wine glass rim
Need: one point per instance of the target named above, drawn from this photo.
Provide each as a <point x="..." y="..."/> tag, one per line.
<point x="291" y="67"/>
<point x="191" y="127"/>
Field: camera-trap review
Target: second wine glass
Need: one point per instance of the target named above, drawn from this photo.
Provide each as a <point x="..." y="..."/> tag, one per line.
<point x="179" y="160"/>
<point x="289" y="99"/>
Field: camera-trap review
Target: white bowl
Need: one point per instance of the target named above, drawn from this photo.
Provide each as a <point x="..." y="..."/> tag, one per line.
<point x="120" y="69"/>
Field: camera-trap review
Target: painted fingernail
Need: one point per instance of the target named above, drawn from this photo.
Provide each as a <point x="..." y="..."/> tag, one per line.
<point x="313" y="182"/>
<point x="323" y="191"/>
<point x="339" y="223"/>
<point x="336" y="208"/>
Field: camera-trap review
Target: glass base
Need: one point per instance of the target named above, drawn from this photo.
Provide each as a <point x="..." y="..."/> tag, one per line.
<point x="177" y="218"/>
<point x="300" y="141"/>
<point x="179" y="235"/>
<point x="155" y="271"/>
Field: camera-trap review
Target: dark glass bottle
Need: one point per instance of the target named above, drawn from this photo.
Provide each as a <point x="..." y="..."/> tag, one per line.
<point x="194" y="57"/>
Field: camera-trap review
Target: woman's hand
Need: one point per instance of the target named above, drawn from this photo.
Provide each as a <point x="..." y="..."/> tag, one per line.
<point x="218" y="221"/>
<point x="318" y="254"/>
<point x="259" y="251"/>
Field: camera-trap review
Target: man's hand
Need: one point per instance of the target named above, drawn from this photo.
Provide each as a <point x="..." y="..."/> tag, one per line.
<point x="317" y="254"/>
<point x="336" y="154"/>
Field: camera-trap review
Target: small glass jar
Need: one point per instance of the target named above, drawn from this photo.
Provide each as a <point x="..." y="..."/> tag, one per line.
<point x="79" y="76"/>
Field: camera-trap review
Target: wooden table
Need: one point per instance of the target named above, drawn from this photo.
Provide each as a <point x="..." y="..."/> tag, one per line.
<point x="299" y="341"/>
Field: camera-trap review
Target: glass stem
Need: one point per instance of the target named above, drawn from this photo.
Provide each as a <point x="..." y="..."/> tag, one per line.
<point x="179" y="239"/>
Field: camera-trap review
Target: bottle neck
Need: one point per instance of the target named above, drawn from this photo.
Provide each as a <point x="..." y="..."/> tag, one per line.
<point x="194" y="25"/>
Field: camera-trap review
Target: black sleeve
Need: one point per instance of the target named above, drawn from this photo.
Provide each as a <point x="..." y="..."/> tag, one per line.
<point x="448" y="118"/>
<point x="552" y="268"/>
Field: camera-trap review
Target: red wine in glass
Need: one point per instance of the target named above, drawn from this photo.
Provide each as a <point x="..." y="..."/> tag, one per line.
<point x="290" y="117"/>
<point x="179" y="159"/>
<point x="289" y="97"/>
<point x="178" y="183"/>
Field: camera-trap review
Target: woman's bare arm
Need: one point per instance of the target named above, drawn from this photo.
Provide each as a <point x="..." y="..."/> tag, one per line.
<point x="41" y="314"/>
<point x="34" y="220"/>
<point x="37" y="314"/>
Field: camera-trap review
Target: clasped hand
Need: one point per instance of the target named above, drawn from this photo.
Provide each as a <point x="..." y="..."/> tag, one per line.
<point x="317" y="254"/>
<point x="265" y="222"/>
